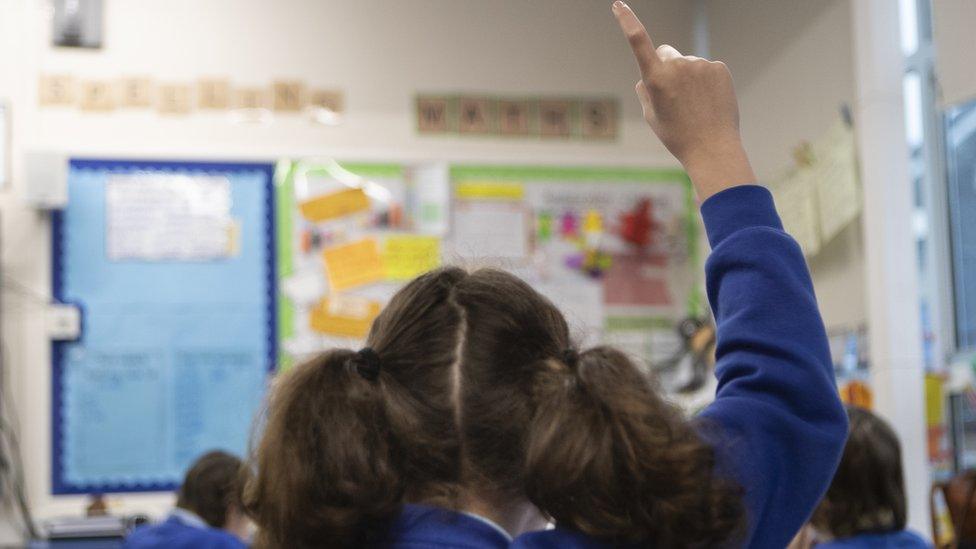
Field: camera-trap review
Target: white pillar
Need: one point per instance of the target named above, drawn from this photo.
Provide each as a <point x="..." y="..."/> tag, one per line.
<point x="892" y="271"/>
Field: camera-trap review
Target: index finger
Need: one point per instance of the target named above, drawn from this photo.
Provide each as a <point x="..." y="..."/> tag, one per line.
<point x="636" y="34"/>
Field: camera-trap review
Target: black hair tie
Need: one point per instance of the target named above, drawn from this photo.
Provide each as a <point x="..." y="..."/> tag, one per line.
<point x="367" y="364"/>
<point x="570" y="357"/>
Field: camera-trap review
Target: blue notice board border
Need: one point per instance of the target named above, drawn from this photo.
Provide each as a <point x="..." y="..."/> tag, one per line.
<point x="59" y="484"/>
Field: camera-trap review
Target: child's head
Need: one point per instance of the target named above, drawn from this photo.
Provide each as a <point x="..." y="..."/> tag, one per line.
<point x="211" y="489"/>
<point x="470" y="390"/>
<point x="867" y="494"/>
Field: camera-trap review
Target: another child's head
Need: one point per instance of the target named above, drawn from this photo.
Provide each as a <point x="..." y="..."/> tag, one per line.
<point x="212" y="491"/>
<point x="470" y="393"/>
<point x="867" y="494"/>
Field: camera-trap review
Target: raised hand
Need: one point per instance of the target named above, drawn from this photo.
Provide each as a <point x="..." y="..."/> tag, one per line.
<point x="690" y="104"/>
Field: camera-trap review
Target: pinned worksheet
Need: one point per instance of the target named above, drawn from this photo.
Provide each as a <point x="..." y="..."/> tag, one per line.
<point x="344" y="316"/>
<point x="796" y="199"/>
<point x="159" y="217"/>
<point x="490" y="220"/>
<point x="836" y="180"/>
<point x="333" y="205"/>
<point x="408" y="256"/>
<point x="352" y="265"/>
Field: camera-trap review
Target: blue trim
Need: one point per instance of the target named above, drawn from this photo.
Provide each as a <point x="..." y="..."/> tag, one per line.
<point x="128" y="165"/>
<point x="57" y="291"/>
<point x="271" y="236"/>
<point x="58" y="484"/>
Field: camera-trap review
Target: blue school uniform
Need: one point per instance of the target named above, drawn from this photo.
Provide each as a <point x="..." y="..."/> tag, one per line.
<point x="781" y="424"/>
<point x="902" y="539"/>
<point x="422" y="526"/>
<point x="182" y="530"/>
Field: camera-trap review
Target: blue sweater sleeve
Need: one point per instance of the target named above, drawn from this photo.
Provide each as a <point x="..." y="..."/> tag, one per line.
<point x="781" y="425"/>
<point x="777" y="422"/>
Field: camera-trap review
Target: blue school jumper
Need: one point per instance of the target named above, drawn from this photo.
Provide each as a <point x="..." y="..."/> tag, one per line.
<point x="902" y="539"/>
<point x="781" y="423"/>
<point x="182" y="530"/>
<point x="423" y="526"/>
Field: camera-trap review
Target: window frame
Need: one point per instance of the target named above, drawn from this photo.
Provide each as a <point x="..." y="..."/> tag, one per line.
<point x="940" y="284"/>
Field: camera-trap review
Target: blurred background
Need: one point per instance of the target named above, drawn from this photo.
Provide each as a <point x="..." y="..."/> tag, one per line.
<point x="194" y="194"/>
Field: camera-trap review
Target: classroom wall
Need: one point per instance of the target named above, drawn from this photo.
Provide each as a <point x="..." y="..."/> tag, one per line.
<point x="380" y="52"/>
<point x="792" y="75"/>
<point x="791" y="79"/>
<point x="953" y="21"/>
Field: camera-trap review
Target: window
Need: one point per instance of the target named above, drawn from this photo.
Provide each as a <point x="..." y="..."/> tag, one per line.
<point x="961" y="167"/>
<point x="908" y="10"/>
<point x="923" y="135"/>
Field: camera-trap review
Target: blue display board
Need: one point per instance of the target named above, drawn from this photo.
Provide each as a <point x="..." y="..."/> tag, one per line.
<point x="174" y="355"/>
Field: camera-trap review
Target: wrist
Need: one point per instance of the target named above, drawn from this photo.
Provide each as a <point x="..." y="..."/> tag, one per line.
<point x="719" y="166"/>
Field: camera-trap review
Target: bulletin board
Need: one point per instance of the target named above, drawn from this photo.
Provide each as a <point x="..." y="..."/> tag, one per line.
<point x="172" y="265"/>
<point x="615" y="249"/>
<point x="362" y="219"/>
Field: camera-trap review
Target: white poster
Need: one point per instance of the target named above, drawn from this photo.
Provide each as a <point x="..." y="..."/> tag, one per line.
<point x="154" y="217"/>
<point x="836" y="179"/>
<point x="796" y="200"/>
<point x="490" y="229"/>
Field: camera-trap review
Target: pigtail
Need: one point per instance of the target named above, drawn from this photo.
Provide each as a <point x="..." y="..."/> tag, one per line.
<point x="349" y="436"/>
<point x="607" y="456"/>
<point x="324" y="472"/>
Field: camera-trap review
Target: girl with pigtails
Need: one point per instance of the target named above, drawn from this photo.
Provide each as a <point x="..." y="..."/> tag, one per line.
<point x="471" y="419"/>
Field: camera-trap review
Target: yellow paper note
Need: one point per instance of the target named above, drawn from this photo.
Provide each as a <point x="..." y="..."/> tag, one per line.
<point x="796" y="199"/>
<point x="934" y="400"/>
<point x="333" y="205"/>
<point x="836" y="180"/>
<point x="356" y="264"/>
<point x="409" y="256"/>
<point x="490" y="190"/>
<point x="348" y="317"/>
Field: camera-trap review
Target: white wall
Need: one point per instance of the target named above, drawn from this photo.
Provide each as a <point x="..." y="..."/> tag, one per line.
<point x="793" y="70"/>
<point x="953" y="21"/>
<point x="380" y="52"/>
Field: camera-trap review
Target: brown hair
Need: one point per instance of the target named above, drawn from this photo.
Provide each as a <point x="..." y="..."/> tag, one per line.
<point x="478" y="392"/>
<point x="211" y="487"/>
<point x="867" y="494"/>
